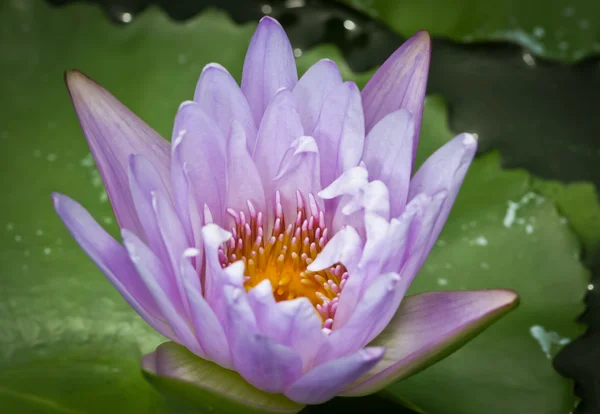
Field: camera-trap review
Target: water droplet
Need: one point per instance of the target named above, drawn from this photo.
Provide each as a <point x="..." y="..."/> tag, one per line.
<point x="529" y="229"/>
<point x="39" y="232"/>
<point x="266" y="9"/>
<point x="442" y="282"/>
<point x="297" y="52"/>
<point x="18" y="238"/>
<point x="125" y="17"/>
<point x="528" y="59"/>
<point x="51" y="157"/>
<point x="349" y="25"/>
<point x="539" y="32"/>
<point x="563" y="46"/>
<point x="590" y="287"/>
<point x="47" y="251"/>
<point x="479" y="241"/>
<point x="484" y="265"/>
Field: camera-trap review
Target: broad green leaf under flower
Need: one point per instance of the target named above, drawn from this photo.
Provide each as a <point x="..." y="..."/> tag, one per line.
<point x="38" y="321"/>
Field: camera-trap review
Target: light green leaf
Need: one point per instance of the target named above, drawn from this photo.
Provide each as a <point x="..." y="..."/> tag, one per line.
<point x="188" y="380"/>
<point x="564" y="30"/>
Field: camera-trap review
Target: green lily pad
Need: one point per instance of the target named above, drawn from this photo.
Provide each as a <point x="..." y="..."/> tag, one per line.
<point x="70" y="344"/>
<point x="563" y="30"/>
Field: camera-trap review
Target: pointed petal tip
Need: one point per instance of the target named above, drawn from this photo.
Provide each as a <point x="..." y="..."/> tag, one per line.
<point x="214" y="66"/>
<point x="268" y="20"/>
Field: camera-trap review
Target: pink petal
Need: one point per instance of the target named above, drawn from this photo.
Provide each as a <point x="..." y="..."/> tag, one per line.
<point x="220" y="97"/>
<point x="298" y="171"/>
<point x="200" y="149"/>
<point x="279" y="128"/>
<point x="388" y="156"/>
<point x="261" y="361"/>
<point x="400" y="83"/>
<point x="340" y="132"/>
<point x="312" y="89"/>
<point x="429" y="327"/>
<point x="112" y="259"/>
<point x="209" y="332"/>
<point x="293" y="323"/>
<point x="326" y="381"/>
<point x="372" y="314"/>
<point x="216" y="277"/>
<point x="269" y="66"/>
<point x="444" y="171"/>
<point x="113" y="133"/>
<point x="243" y="179"/>
<point x="152" y="272"/>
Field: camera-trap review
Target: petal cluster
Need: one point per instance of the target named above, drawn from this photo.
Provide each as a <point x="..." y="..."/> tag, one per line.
<point x="279" y="231"/>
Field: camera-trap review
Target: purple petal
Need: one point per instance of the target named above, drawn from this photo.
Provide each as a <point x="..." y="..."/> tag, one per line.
<point x="200" y="148"/>
<point x="279" y="128"/>
<point x="444" y="171"/>
<point x="340" y="132"/>
<point x="243" y="180"/>
<point x="220" y="97"/>
<point x="209" y="332"/>
<point x="371" y="316"/>
<point x="216" y="277"/>
<point x="400" y="83"/>
<point x="388" y="156"/>
<point x="174" y="238"/>
<point x="298" y="171"/>
<point x="113" y="133"/>
<point x="269" y="66"/>
<point x="153" y="273"/>
<point x="259" y="360"/>
<point x="184" y="201"/>
<point x="293" y="323"/>
<point x="325" y="381"/>
<point x="112" y="259"/>
<point x="344" y="247"/>
<point x="144" y="180"/>
<point x="429" y="327"/>
<point x="388" y="248"/>
<point x="312" y="89"/>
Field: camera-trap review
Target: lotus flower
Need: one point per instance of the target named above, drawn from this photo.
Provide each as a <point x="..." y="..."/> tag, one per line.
<point x="278" y="233"/>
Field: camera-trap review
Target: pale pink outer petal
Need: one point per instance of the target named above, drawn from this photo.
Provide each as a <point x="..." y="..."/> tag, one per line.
<point x="208" y="329"/>
<point x="444" y="171"/>
<point x="243" y="180"/>
<point x="293" y="323"/>
<point x="299" y="171"/>
<point x="400" y="83"/>
<point x="200" y="149"/>
<point x="312" y="89"/>
<point x="215" y="277"/>
<point x="428" y="327"/>
<point x="326" y="381"/>
<point x="113" y="132"/>
<point x="261" y="361"/>
<point x="269" y="66"/>
<point x="279" y="128"/>
<point x="340" y="132"/>
<point x="364" y="324"/>
<point x="112" y="259"/>
<point x="388" y="156"/>
<point x="153" y="272"/>
<point x="220" y="97"/>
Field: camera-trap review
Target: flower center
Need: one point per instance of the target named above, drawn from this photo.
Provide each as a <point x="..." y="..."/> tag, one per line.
<point x="283" y="257"/>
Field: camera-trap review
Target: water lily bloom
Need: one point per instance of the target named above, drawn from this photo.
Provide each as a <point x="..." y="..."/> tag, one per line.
<point x="280" y="229"/>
